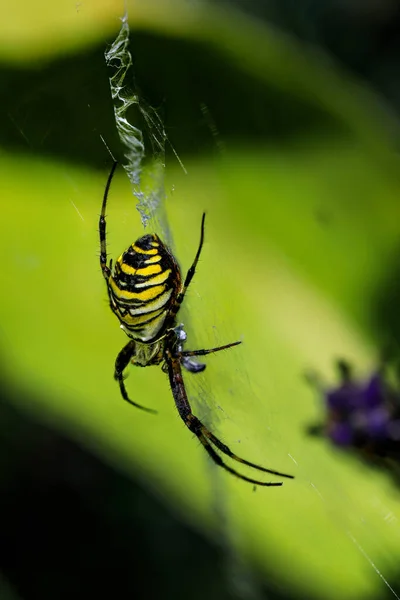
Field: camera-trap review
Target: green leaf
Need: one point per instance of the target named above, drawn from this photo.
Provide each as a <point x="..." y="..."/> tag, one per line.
<point x="299" y="237"/>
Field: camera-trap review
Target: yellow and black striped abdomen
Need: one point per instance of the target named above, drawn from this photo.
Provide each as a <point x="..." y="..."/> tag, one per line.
<point x="143" y="286"/>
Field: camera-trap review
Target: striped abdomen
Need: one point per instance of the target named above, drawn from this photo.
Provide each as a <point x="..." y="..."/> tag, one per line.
<point x="142" y="288"/>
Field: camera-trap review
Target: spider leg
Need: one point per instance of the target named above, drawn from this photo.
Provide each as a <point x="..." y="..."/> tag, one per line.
<point x="209" y="351"/>
<point x="200" y="430"/>
<point x="192" y="270"/>
<point x="102" y="226"/>
<point x="195" y="367"/>
<point x="121" y="363"/>
<point x="218" y="460"/>
<point x="224" y="448"/>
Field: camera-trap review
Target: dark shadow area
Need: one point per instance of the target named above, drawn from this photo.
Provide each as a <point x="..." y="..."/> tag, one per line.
<point x="386" y="307"/>
<point x="385" y="315"/>
<point x="73" y="527"/>
<point x="60" y="109"/>
<point x="363" y="35"/>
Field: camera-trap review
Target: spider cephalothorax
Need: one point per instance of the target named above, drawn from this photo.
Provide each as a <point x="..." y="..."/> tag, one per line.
<point x="146" y="290"/>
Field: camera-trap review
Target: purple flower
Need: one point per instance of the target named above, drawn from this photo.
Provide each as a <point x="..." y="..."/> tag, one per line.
<point x="361" y="412"/>
<point x="341" y="434"/>
<point x="372" y="393"/>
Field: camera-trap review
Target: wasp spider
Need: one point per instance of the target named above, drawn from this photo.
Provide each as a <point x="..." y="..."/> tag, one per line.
<point x="146" y="291"/>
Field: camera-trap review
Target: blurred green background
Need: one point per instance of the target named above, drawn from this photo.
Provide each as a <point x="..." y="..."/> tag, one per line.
<point x="294" y="161"/>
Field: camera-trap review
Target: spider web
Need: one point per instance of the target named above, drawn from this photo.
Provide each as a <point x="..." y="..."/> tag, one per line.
<point x="146" y="163"/>
<point x="148" y="186"/>
<point x="147" y="181"/>
<point x="146" y="169"/>
<point x="147" y="178"/>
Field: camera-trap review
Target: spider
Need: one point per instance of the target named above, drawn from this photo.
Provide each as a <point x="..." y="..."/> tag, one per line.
<point x="146" y="291"/>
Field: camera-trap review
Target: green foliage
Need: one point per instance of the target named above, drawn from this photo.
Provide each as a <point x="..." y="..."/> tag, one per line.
<point x="299" y="238"/>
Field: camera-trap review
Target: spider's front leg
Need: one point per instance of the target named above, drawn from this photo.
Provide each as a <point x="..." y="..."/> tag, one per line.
<point x="102" y="227"/>
<point x="194" y="366"/>
<point x="121" y="363"/>
<point x="185" y="355"/>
